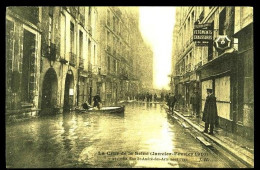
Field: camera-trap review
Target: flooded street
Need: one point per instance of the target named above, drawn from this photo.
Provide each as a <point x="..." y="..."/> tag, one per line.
<point x="142" y="137"/>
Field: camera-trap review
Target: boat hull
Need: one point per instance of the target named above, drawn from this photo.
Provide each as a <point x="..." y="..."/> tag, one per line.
<point x="109" y="109"/>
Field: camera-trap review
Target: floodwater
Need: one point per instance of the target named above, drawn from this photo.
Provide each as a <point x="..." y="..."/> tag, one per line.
<point x="142" y="137"/>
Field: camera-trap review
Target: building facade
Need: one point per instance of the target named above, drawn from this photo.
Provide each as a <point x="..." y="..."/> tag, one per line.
<point x="201" y="67"/>
<point x="60" y="57"/>
<point x="23" y="50"/>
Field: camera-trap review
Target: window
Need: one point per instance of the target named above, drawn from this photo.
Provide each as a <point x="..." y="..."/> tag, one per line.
<point x="28" y="67"/>
<point x="50" y="31"/>
<point x="62" y="36"/>
<point x="80" y="44"/>
<point x="11" y="83"/>
<point x="108" y="64"/>
<point x="222" y="20"/>
<point x="108" y="17"/>
<point x="89" y="51"/>
<point x="114" y="66"/>
<point x="71" y="37"/>
<point x="114" y="23"/>
<point x="89" y="15"/>
<point x="210" y="47"/>
<point x="94" y="55"/>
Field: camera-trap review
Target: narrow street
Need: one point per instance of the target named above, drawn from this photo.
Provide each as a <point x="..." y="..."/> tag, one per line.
<point x="143" y="137"/>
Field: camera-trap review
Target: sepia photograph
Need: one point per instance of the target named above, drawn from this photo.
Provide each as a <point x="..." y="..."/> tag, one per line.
<point x="129" y="87"/>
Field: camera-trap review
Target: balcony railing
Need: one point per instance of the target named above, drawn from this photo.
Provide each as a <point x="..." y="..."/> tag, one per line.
<point x="114" y="52"/>
<point x="72" y="59"/>
<point x="90" y="30"/>
<point x="188" y="67"/>
<point x="81" y="62"/>
<point x="198" y="65"/>
<point x="108" y="49"/>
<point x="49" y="51"/>
<point x="89" y="67"/>
<point x="53" y="52"/>
<point x="81" y="19"/>
<point x="73" y="10"/>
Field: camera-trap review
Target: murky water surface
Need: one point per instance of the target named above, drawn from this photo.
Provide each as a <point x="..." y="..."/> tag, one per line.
<point x="142" y="137"/>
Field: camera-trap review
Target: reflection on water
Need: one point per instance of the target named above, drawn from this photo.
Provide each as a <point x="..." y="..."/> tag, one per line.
<point x="102" y="140"/>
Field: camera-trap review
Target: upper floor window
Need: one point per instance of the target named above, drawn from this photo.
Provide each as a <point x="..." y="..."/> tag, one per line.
<point x="222" y="21"/>
<point x="71" y="37"/>
<point x="108" y="17"/>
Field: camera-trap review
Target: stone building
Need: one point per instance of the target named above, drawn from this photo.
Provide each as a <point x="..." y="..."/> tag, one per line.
<point x="60" y="57"/>
<point x="69" y="50"/>
<point x="23" y="51"/>
<point x="201" y="67"/>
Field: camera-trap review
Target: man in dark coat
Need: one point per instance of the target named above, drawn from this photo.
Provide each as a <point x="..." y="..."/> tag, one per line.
<point x="97" y="101"/>
<point x="210" y="113"/>
<point x="195" y="101"/>
<point x="155" y="97"/>
<point x="172" y="100"/>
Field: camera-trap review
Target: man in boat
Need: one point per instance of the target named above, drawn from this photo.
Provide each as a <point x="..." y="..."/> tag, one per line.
<point x="86" y="105"/>
<point x="97" y="101"/>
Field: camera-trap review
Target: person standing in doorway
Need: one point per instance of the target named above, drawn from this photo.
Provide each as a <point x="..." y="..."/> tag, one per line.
<point x="210" y="114"/>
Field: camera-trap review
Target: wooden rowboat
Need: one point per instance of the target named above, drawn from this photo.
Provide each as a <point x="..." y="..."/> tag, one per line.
<point x="106" y="109"/>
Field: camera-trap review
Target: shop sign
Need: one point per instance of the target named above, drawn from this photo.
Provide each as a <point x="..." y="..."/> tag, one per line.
<point x="222" y="42"/>
<point x="71" y="92"/>
<point x="203" y="34"/>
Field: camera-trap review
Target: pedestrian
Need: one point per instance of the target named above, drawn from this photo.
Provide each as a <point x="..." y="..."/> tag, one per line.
<point x="172" y="101"/>
<point x="167" y="98"/>
<point x="151" y="97"/>
<point x="155" y="97"/>
<point x="162" y="97"/>
<point x="196" y="104"/>
<point x="210" y="113"/>
<point x="97" y="101"/>
<point x="147" y="97"/>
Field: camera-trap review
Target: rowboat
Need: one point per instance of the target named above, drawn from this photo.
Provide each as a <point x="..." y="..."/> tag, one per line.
<point x="106" y="109"/>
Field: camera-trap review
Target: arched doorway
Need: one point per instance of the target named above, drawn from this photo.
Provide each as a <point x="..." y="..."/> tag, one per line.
<point x="69" y="91"/>
<point x="49" y="92"/>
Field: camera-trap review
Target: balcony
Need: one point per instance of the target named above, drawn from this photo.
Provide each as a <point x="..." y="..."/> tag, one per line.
<point x="72" y="60"/>
<point x="114" y="52"/>
<point x="81" y="63"/>
<point x="49" y="51"/>
<point x="90" y="67"/>
<point x="198" y="65"/>
<point x="53" y="51"/>
<point x="188" y="68"/>
<point x="90" y="30"/>
<point x="81" y="19"/>
<point x="108" y="49"/>
<point x="73" y="10"/>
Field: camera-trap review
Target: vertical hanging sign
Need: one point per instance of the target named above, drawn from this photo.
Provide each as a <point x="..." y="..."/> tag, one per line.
<point x="203" y="34"/>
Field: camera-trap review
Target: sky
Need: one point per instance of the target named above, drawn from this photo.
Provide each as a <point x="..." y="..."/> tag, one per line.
<point x="156" y="26"/>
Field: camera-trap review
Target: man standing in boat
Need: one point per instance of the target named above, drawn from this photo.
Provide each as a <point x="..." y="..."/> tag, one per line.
<point x="97" y="101"/>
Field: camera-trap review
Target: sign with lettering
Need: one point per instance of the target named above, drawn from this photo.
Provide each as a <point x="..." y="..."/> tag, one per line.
<point x="203" y="34"/>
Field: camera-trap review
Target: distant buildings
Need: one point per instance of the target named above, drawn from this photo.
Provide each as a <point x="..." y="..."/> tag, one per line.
<point x="59" y="57"/>
<point x="229" y="71"/>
